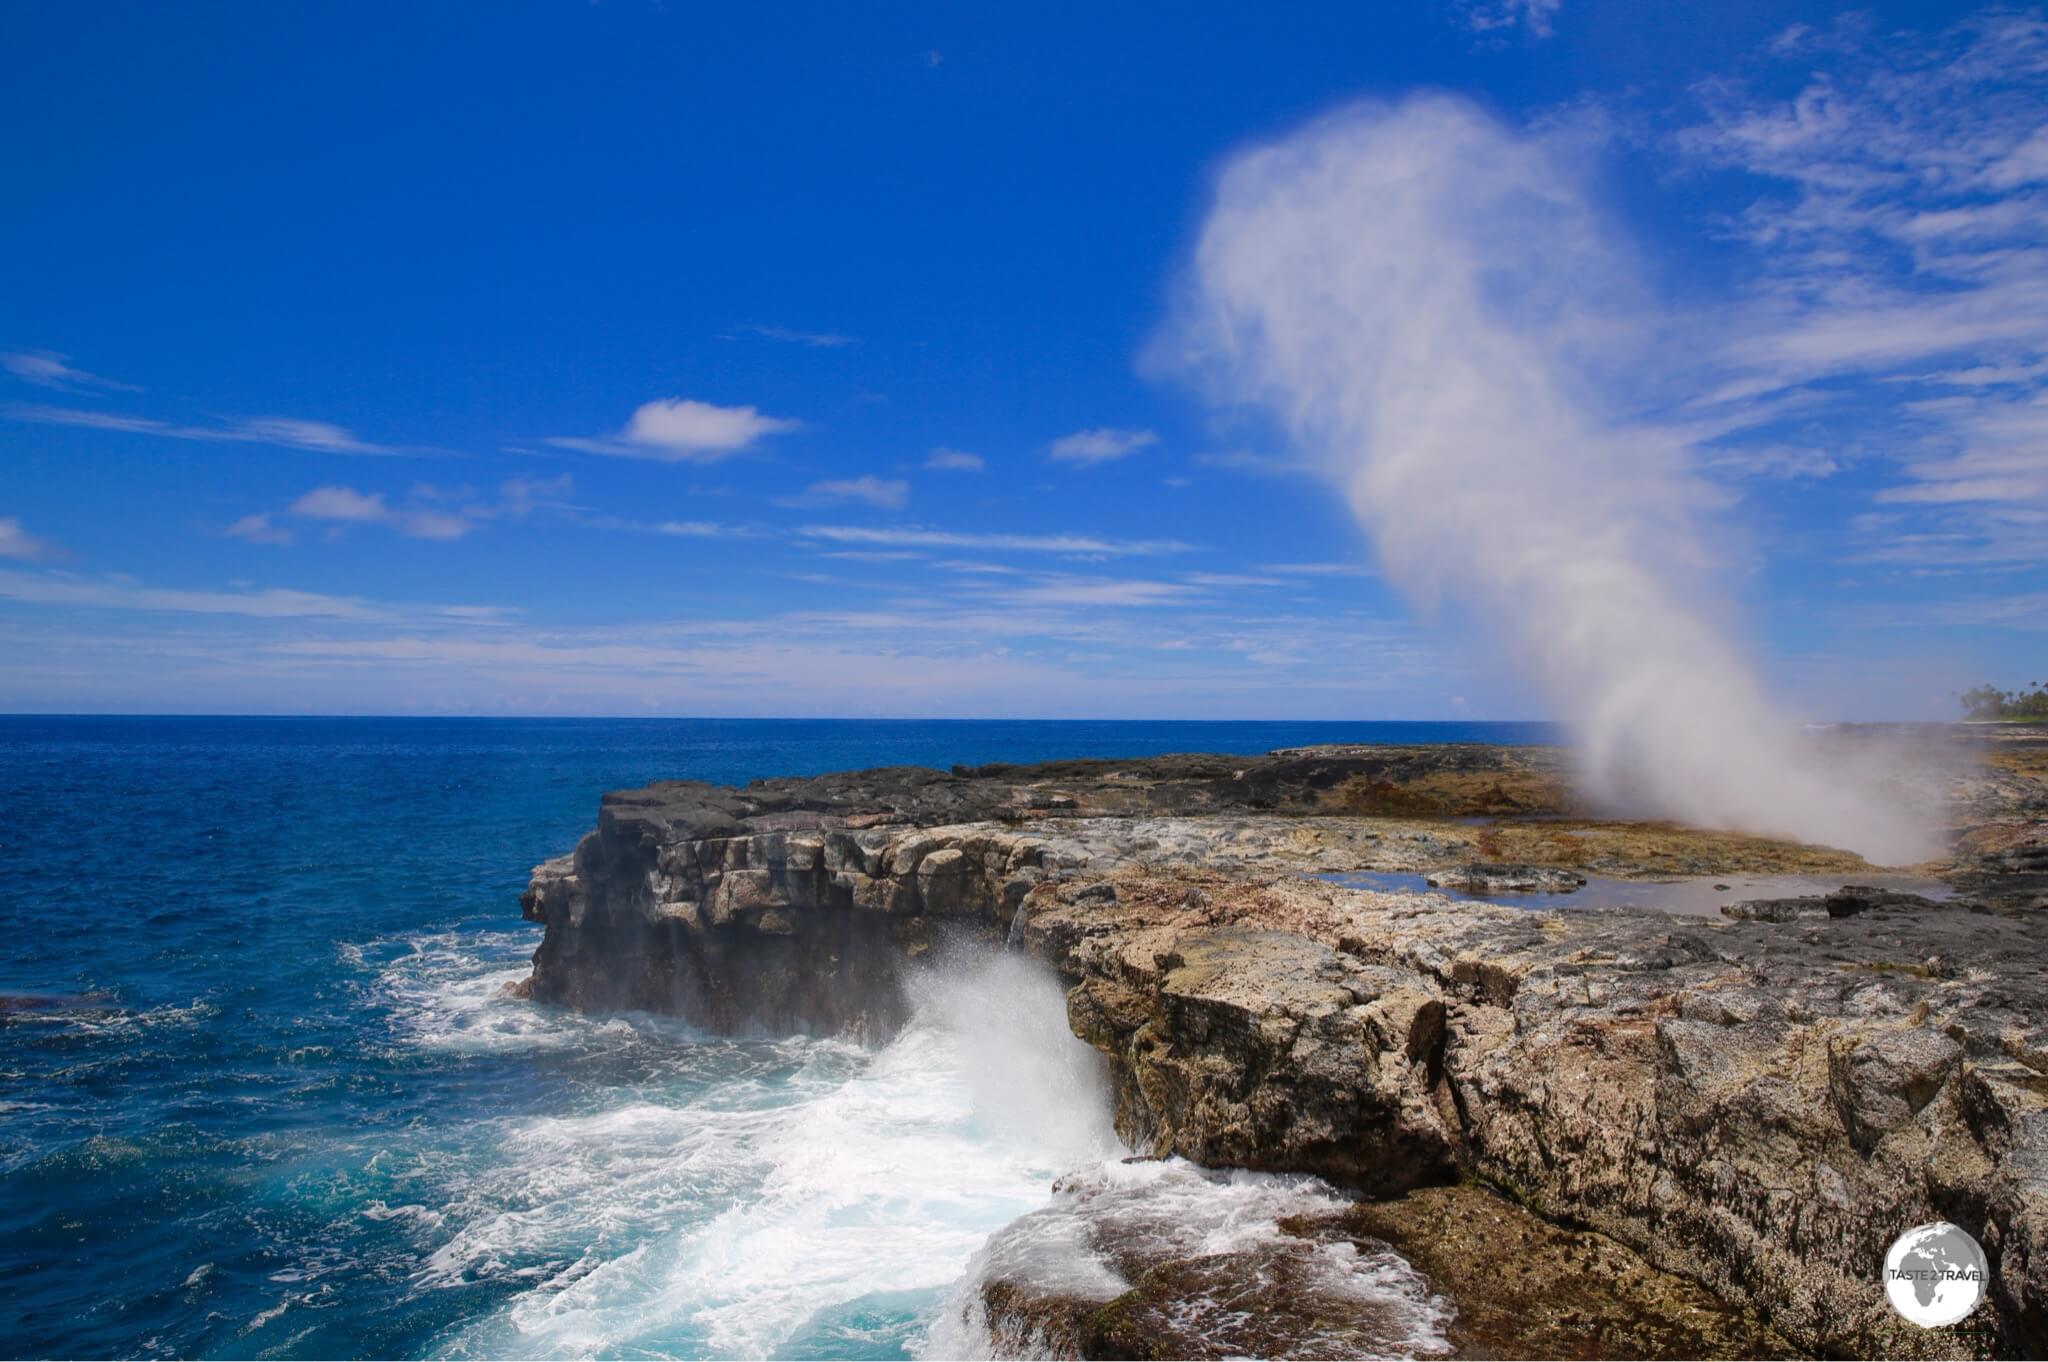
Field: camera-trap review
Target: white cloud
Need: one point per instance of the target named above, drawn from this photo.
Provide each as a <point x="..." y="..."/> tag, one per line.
<point x="815" y="340"/>
<point x="939" y="646"/>
<point x="1231" y="579"/>
<point x="425" y="524"/>
<point x="683" y="430"/>
<point x="954" y="461"/>
<point x="1100" y="445"/>
<point x="259" y="528"/>
<point x="285" y="431"/>
<point x="691" y="529"/>
<point x="1080" y="544"/>
<point x="890" y="494"/>
<point x="1319" y="569"/>
<point x="344" y="504"/>
<point x="1098" y="593"/>
<point x="1491" y="16"/>
<point x="300" y="434"/>
<point x="429" y="513"/>
<point x="519" y="497"/>
<point x="977" y="568"/>
<point x="47" y="369"/>
<point x="1902" y="236"/>
<point x="18" y="543"/>
<point x="122" y="593"/>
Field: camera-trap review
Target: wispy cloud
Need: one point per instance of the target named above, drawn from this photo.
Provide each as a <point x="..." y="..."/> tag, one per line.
<point x="344" y="504"/>
<point x="1902" y="237"/>
<point x="682" y="430"/>
<point x="48" y="369"/>
<point x="815" y="340"/>
<point x="425" y="512"/>
<point x="1081" y="544"/>
<point x="1230" y="579"/>
<point x="124" y="593"/>
<point x="1100" y="445"/>
<point x="1318" y="569"/>
<point x="1491" y="17"/>
<point x="259" y="528"/>
<point x="1011" y="642"/>
<point x="1099" y="593"/>
<point x="888" y="494"/>
<point x="1249" y="461"/>
<point x="954" y="461"/>
<point x="19" y="544"/>
<point x="977" y="568"/>
<point x="286" y="431"/>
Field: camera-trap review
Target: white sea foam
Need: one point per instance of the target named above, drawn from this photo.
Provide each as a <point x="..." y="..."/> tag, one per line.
<point x="725" y="1220"/>
<point x="730" y="1197"/>
<point x="1227" y="1225"/>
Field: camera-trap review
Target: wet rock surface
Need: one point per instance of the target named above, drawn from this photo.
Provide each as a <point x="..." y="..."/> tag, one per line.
<point x="1168" y="1260"/>
<point x="1121" y="1267"/>
<point x="1754" y="1104"/>
<point x="1527" y="1288"/>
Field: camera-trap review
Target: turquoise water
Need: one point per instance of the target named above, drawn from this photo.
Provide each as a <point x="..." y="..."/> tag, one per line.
<point x="261" y="1094"/>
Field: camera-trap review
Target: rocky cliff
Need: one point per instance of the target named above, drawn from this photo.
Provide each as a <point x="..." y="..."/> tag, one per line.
<point x="1754" y="1103"/>
<point x="794" y="903"/>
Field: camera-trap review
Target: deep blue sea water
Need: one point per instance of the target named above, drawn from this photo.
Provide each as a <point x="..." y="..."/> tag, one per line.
<point x="261" y="1094"/>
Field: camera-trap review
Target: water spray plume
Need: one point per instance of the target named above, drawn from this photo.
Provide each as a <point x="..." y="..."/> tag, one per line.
<point x="1432" y="303"/>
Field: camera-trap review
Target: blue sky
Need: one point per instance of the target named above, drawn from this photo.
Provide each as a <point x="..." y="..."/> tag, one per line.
<point x="624" y="358"/>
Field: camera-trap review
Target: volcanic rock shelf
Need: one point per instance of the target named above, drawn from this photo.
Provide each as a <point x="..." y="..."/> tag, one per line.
<point x="1755" y="1104"/>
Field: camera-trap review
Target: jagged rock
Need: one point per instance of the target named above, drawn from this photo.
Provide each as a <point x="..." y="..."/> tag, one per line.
<point x="1755" y="1110"/>
<point x="654" y="909"/>
<point x="1847" y="901"/>
<point x="1756" y="1103"/>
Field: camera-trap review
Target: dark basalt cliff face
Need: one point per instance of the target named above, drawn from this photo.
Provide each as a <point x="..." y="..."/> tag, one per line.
<point x="1756" y="1103"/>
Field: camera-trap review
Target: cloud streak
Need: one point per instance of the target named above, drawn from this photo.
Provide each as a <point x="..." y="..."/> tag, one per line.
<point x="426" y="513"/>
<point x="1101" y="445"/>
<point x="285" y="431"/>
<point x="120" y="593"/>
<point x="887" y="494"/>
<point x="1900" y="231"/>
<point x="946" y="460"/>
<point x="17" y="543"/>
<point x="48" y="369"/>
<point x="1491" y="17"/>
<point x="813" y="340"/>
<point x="913" y="537"/>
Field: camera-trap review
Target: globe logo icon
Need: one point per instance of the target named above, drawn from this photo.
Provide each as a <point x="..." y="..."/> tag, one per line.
<point x="1935" y="1274"/>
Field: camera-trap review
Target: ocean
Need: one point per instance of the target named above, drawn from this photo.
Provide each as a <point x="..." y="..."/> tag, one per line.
<point x="261" y="1092"/>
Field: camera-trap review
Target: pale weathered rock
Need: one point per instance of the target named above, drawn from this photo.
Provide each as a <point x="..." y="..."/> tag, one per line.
<point x="1756" y="1108"/>
<point x="1756" y="1103"/>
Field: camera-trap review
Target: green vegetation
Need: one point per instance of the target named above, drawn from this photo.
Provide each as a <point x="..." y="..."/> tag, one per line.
<point x="1988" y="703"/>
